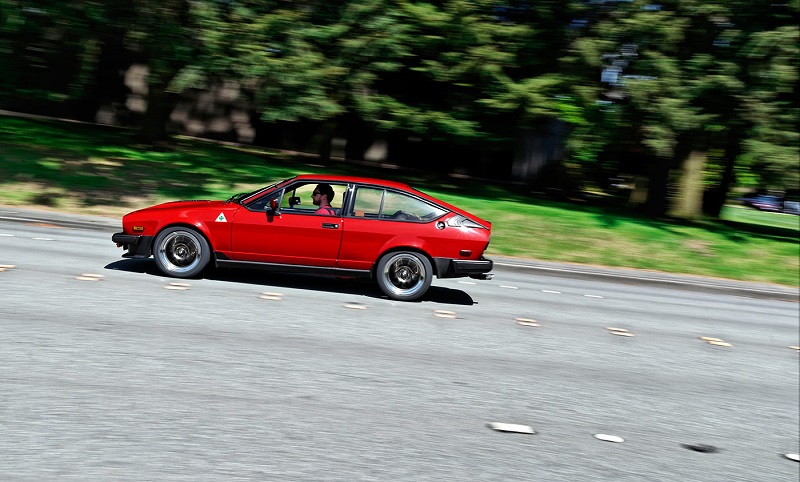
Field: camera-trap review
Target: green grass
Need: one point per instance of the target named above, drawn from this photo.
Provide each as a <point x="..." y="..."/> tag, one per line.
<point x="97" y="170"/>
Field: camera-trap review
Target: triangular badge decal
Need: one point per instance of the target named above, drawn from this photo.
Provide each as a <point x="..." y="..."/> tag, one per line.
<point x="221" y="218"/>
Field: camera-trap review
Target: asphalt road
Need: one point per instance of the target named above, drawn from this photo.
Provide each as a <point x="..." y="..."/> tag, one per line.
<point x="126" y="377"/>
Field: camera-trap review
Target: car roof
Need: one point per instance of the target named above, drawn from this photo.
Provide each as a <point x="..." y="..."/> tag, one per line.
<point x="355" y="179"/>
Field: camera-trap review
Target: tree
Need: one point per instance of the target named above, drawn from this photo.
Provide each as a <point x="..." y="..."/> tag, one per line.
<point x="45" y="42"/>
<point x="680" y="83"/>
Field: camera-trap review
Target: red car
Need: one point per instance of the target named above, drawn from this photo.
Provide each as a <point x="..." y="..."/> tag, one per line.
<point x="384" y="230"/>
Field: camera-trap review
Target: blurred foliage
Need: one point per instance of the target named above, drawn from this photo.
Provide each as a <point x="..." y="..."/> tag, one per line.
<point x="641" y="86"/>
<point x="104" y="170"/>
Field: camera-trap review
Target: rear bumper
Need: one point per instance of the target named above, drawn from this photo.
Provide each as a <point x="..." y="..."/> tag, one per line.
<point x="137" y="246"/>
<point x="459" y="268"/>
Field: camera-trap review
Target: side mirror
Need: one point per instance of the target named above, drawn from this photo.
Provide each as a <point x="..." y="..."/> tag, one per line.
<point x="273" y="205"/>
<point x="294" y="200"/>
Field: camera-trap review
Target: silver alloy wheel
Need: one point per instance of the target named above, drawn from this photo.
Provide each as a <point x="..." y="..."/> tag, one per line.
<point x="180" y="252"/>
<point x="405" y="275"/>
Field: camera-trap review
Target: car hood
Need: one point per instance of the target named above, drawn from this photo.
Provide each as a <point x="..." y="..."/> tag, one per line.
<point x="183" y="205"/>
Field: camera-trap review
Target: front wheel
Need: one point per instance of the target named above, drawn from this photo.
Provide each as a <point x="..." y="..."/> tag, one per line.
<point x="181" y="252"/>
<point x="404" y="275"/>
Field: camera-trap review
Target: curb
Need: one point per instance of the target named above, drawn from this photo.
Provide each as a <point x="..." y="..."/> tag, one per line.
<point x="651" y="278"/>
<point x="545" y="268"/>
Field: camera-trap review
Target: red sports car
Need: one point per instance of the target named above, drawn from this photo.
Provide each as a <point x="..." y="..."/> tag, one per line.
<point x="331" y="225"/>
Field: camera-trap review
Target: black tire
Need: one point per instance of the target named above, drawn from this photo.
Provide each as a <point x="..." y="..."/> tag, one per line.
<point x="181" y="252"/>
<point x="404" y="275"/>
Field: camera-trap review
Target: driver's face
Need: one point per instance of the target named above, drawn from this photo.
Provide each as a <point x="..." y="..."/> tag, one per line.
<point x="316" y="197"/>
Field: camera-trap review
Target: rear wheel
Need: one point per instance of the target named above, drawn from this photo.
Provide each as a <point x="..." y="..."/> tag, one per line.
<point x="404" y="275"/>
<point x="181" y="252"/>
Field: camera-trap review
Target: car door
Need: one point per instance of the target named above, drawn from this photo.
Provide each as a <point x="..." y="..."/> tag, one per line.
<point x="380" y="218"/>
<point x="295" y="235"/>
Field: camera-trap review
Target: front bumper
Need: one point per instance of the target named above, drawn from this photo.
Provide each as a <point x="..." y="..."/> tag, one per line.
<point x="137" y="246"/>
<point x="459" y="268"/>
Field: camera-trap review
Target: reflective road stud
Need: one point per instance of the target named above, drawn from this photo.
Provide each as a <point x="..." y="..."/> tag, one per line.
<point x="527" y="322"/>
<point x="355" y="306"/>
<point x="719" y="343"/>
<point x="795" y="457"/>
<point x="609" y="438"/>
<point x="511" y="428"/>
<point x="444" y="314"/>
<point x="706" y="449"/>
<point x="177" y="286"/>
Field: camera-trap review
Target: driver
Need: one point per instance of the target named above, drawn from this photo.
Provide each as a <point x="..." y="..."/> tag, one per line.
<point x="322" y="197"/>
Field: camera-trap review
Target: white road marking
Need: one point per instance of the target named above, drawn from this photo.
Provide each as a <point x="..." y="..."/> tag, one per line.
<point x="709" y="338"/>
<point x="594" y="296"/>
<point x="87" y="278"/>
<point x="612" y="328"/>
<point x="795" y="457"/>
<point x="467" y="282"/>
<point x="7" y="235"/>
<point x="551" y="291"/>
<point x="176" y="288"/>
<point x="271" y="297"/>
<point x="184" y="285"/>
<point x="621" y="333"/>
<point x="7" y="266"/>
<point x="268" y="293"/>
<point x="44" y="239"/>
<point x="92" y="275"/>
<point x="355" y="306"/>
<point x="509" y="287"/>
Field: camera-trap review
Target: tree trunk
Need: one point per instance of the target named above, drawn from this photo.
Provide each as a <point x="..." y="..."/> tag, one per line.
<point x="535" y="148"/>
<point x="154" y="122"/>
<point x="324" y="141"/>
<point x="656" y="204"/>
<point x="688" y="200"/>
<point x="715" y="202"/>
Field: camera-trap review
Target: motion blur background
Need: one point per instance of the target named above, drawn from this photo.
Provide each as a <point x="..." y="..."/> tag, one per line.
<point x="675" y="107"/>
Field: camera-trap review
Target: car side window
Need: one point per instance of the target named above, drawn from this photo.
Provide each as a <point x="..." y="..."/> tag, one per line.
<point x="298" y="198"/>
<point x="262" y="203"/>
<point x="383" y="204"/>
<point x="402" y="207"/>
<point x="367" y="203"/>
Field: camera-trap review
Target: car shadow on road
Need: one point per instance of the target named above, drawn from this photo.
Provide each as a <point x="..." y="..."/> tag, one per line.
<point x="353" y="286"/>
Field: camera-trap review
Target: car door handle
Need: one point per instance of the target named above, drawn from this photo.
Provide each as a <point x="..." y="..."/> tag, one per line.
<point x="330" y="226"/>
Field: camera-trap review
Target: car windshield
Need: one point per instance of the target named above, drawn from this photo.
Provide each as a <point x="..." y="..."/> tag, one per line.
<point x="237" y="198"/>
